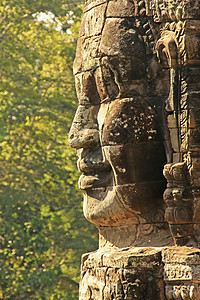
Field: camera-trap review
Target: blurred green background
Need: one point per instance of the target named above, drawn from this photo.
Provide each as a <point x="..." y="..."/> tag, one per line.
<point x="42" y="229"/>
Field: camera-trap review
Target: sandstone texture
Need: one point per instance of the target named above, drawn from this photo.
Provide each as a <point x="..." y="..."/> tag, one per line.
<point x="137" y="135"/>
<point x="171" y="273"/>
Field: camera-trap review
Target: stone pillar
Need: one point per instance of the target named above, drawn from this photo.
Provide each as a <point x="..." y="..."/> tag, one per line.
<point x="178" y="50"/>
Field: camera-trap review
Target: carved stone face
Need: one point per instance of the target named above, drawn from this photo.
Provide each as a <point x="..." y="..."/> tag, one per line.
<point x="117" y="130"/>
<point x="120" y="157"/>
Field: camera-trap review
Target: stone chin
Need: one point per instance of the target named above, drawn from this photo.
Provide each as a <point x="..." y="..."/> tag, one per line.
<point x="120" y="205"/>
<point x="103" y="207"/>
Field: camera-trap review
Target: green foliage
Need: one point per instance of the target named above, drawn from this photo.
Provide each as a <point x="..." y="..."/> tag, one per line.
<point x="43" y="232"/>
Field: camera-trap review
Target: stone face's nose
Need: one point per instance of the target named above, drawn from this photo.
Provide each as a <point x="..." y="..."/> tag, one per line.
<point x="84" y="131"/>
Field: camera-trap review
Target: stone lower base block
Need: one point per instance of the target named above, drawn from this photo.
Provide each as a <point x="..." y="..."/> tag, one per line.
<point x="141" y="273"/>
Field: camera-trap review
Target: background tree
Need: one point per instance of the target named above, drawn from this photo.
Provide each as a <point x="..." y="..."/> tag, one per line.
<point x="43" y="232"/>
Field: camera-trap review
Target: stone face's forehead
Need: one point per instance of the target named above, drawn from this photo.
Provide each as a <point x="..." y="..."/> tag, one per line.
<point x="109" y="28"/>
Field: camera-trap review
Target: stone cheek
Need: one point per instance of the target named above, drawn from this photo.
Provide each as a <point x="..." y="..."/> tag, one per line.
<point x="126" y="160"/>
<point x="129" y="121"/>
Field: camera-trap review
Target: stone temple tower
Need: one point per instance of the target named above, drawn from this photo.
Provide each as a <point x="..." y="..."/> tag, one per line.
<point x="137" y="135"/>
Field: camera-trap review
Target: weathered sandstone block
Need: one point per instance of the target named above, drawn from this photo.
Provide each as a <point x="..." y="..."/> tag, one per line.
<point x="141" y="273"/>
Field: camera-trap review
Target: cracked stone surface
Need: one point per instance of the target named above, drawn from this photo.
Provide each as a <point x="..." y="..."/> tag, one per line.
<point x="137" y="135"/>
<point x="141" y="273"/>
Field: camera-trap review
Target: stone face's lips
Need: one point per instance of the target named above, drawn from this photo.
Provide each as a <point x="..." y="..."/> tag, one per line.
<point x="102" y="179"/>
<point x="89" y="167"/>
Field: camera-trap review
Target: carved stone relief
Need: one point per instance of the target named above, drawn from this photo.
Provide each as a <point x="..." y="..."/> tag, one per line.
<point x="131" y="107"/>
<point x="178" y="49"/>
<point x="118" y="129"/>
<point x="171" y="273"/>
<point x="137" y="73"/>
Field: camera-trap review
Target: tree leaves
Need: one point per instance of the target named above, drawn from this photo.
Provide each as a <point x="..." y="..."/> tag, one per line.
<point x="43" y="232"/>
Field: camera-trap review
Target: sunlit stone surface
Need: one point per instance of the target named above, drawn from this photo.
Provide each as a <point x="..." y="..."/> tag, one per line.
<point x="137" y="79"/>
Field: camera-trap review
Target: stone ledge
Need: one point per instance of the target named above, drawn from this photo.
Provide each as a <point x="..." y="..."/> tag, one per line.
<point x="141" y="273"/>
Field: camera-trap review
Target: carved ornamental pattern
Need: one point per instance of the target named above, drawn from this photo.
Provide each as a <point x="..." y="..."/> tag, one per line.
<point x="178" y="50"/>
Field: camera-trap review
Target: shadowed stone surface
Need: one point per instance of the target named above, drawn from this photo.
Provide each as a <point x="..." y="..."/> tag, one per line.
<point x="137" y="73"/>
